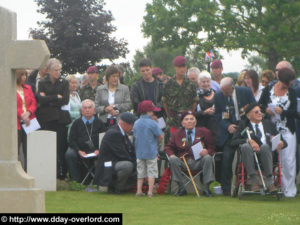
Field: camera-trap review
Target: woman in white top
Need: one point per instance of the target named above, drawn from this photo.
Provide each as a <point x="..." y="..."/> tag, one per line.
<point x="112" y="98"/>
<point x="251" y="80"/>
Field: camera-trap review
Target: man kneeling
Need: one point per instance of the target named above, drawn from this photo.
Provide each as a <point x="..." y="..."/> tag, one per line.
<point x="180" y="145"/>
<point x="116" y="168"/>
<point x="83" y="139"/>
<point x="261" y="131"/>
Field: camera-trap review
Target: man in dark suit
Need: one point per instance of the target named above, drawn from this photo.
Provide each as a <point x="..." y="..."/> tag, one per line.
<point x="180" y="145"/>
<point x="230" y="105"/>
<point x="117" y="161"/>
<point x="261" y="132"/>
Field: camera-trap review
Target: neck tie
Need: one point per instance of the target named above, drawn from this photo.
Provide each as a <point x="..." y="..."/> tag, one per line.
<point x="257" y="131"/>
<point x="231" y="110"/>
<point x="189" y="137"/>
<point x="128" y="143"/>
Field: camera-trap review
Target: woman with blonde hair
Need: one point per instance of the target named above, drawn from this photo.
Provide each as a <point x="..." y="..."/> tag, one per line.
<point x="75" y="101"/>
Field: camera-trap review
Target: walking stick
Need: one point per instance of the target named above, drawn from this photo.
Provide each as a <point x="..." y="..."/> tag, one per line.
<point x="190" y="174"/>
<point x="258" y="166"/>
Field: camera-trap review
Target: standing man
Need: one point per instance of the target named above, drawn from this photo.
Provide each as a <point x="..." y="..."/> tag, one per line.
<point x="158" y="73"/>
<point x="179" y="94"/>
<point x="230" y="105"/>
<point x="89" y="90"/>
<point x="193" y="74"/>
<point x="117" y="162"/>
<point x="35" y="77"/>
<point x="147" y="87"/>
<point x="216" y="71"/>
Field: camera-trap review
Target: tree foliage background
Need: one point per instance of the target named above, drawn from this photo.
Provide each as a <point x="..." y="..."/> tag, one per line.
<point x="78" y="32"/>
<point x="163" y="57"/>
<point x="269" y="27"/>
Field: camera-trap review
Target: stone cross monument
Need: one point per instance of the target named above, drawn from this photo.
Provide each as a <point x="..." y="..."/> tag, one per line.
<point x="17" y="189"/>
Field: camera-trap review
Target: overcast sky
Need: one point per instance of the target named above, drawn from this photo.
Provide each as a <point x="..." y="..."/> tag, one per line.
<point x="128" y="15"/>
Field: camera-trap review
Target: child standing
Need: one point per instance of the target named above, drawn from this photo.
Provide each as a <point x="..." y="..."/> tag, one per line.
<point x="147" y="134"/>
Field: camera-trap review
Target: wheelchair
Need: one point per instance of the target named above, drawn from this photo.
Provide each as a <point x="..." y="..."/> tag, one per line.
<point x="240" y="181"/>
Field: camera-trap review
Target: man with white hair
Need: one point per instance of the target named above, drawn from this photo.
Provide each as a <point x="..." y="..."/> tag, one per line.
<point x="230" y="105"/>
<point x="83" y="139"/>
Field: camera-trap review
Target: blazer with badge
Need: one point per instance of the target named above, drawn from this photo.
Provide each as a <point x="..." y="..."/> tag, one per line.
<point x="112" y="150"/>
<point x="240" y="137"/>
<point x="178" y="143"/>
<point x="244" y="97"/>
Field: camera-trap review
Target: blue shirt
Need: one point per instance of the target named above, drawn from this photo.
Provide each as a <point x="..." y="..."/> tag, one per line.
<point x="192" y="134"/>
<point x="215" y="85"/>
<point x="90" y="120"/>
<point x="146" y="132"/>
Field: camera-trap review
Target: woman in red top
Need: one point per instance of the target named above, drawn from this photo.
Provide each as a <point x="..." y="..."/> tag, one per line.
<point x="26" y="106"/>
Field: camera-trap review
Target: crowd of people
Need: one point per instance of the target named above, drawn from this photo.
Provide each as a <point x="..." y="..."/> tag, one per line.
<point x="197" y="107"/>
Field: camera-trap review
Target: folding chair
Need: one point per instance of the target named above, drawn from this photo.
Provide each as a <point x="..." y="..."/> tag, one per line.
<point x="89" y="164"/>
<point x="187" y="182"/>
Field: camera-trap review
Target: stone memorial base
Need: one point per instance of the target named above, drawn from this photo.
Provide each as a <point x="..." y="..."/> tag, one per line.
<point x="17" y="191"/>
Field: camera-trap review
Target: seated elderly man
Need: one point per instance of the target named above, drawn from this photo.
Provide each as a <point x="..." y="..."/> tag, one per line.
<point x="261" y="131"/>
<point x="83" y="139"/>
<point x="116" y="168"/>
<point x="180" y="145"/>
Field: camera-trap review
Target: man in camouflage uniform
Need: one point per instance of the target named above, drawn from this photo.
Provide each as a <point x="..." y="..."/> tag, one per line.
<point x="89" y="90"/>
<point x="179" y="95"/>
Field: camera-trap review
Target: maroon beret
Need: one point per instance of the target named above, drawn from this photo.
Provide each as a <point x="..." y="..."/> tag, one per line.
<point x="147" y="106"/>
<point x="185" y="113"/>
<point x="179" y="61"/>
<point x="92" y="69"/>
<point x="156" y="71"/>
<point x="216" y="64"/>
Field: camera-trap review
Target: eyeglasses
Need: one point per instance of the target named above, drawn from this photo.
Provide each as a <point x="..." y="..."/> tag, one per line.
<point x="257" y="111"/>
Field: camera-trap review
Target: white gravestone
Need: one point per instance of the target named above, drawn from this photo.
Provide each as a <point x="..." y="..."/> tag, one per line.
<point x="41" y="159"/>
<point x="17" y="189"/>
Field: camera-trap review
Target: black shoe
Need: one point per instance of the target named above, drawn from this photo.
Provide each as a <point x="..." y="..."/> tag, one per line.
<point x="206" y="191"/>
<point x="226" y="192"/>
<point x="181" y="192"/>
<point x="114" y="191"/>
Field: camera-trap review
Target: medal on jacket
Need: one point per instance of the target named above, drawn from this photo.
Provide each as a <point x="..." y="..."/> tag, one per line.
<point x="184" y="142"/>
<point x="225" y="115"/>
<point x="242" y="110"/>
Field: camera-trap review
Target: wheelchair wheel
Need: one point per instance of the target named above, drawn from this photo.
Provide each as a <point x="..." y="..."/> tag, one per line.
<point x="240" y="191"/>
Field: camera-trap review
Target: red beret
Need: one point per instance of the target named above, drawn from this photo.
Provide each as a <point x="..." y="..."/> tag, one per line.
<point x="92" y="69"/>
<point x="185" y="113"/>
<point x="156" y="71"/>
<point x="179" y="61"/>
<point x="216" y="64"/>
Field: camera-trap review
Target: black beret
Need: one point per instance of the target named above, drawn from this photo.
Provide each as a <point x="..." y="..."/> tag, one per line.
<point x="128" y="117"/>
<point x="251" y="106"/>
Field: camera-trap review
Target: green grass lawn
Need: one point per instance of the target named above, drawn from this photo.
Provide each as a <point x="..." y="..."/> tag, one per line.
<point x="189" y="210"/>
